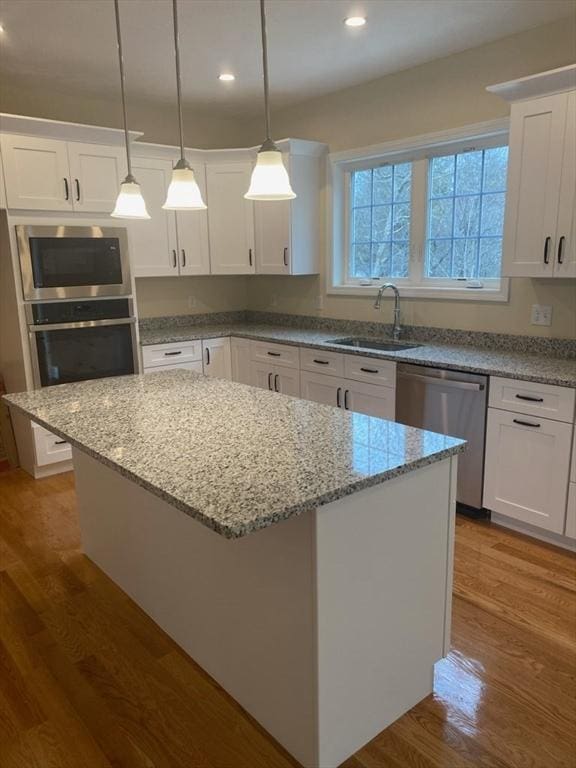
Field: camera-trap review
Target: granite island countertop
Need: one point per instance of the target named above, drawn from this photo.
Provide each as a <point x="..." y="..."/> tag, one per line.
<point x="494" y="362"/>
<point x="235" y="458"/>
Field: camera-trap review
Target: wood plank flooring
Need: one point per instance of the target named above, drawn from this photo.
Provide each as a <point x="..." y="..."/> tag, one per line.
<point x="87" y="680"/>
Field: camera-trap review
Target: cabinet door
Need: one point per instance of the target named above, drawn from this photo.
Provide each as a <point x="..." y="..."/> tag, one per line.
<point x="370" y="399"/>
<point x="287" y="381"/>
<point x="241" y="366"/>
<point x="217" y="361"/>
<point x="322" y="389"/>
<point x="565" y="253"/>
<point x="526" y="468"/>
<point x="230" y="219"/>
<point x="272" y="223"/>
<point x="192" y="226"/>
<point x="96" y="173"/>
<point x="262" y="375"/>
<point x="153" y="243"/>
<point x="570" y="529"/>
<point x="37" y="173"/>
<point x="535" y="166"/>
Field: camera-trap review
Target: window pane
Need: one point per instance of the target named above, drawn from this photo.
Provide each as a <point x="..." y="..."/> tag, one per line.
<point x="383" y="185"/>
<point x="380" y="221"/>
<point x="442" y="176"/>
<point x="466" y="199"/>
<point x="362" y="186"/>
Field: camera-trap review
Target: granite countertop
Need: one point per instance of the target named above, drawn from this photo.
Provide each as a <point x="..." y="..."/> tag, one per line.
<point x="233" y="457"/>
<point x="517" y="365"/>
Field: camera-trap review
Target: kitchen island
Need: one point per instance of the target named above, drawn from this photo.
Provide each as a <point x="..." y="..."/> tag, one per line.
<point x="301" y="554"/>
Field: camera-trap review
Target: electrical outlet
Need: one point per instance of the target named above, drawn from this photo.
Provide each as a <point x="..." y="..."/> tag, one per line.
<point x="541" y="314"/>
<point x="192" y="302"/>
<point x="319" y="302"/>
<point x="273" y="302"/>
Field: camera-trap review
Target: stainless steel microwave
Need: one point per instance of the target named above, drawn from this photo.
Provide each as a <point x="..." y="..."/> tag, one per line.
<point x="62" y="262"/>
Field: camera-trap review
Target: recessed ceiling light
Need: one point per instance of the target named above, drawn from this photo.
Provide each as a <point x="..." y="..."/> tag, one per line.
<point x="355" y="21"/>
<point x="226" y="77"/>
<point x="1" y="28"/>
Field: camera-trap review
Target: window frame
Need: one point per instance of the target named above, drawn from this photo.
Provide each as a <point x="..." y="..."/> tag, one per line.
<point x="417" y="150"/>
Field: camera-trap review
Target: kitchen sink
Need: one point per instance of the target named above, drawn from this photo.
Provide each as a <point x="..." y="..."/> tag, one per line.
<point x="384" y="346"/>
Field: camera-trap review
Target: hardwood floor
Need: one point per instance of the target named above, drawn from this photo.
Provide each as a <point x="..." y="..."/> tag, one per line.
<point x="87" y="680"/>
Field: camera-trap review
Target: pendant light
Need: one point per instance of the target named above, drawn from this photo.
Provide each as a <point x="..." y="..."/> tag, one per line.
<point x="269" y="178"/>
<point x="129" y="204"/>
<point x="183" y="193"/>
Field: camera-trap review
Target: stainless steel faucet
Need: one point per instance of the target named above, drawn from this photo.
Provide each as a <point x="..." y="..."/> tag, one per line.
<point x="396" y="329"/>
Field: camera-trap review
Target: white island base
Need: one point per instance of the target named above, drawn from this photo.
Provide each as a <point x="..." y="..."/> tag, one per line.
<point x="324" y="627"/>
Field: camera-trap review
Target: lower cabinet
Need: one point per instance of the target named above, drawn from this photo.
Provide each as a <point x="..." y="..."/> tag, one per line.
<point x="196" y="366"/>
<point x="570" y="529"/>
<point x="276" y="378"/>
<point x="241" y="365"/>
<point x="216" y="357"/>
<point x="371" y="399"/>
<point x="527" y="467"/>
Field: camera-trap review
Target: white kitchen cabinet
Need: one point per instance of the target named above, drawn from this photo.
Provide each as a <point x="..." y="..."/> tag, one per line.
<point x="153" y="242"/>
<point x="51" y="175"/>
<point x="570" y="529"/>
<point x="230" y="219"/>
<point x="37" y="173"/>
<point x="539" y="228"/>
<point x="172" y="352"/>
<point x="276" y="378"/>
<point x="287" y="239"/>
<point x="217" y="358"/>
<point x="168" y="243"/>
<point x="241" y="365"/>
<point x="371" y="399"/>
<point x="96" y="173"/>
<point x="527" y="468"/>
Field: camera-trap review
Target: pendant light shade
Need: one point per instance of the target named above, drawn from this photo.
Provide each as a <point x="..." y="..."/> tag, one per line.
<point x="270" y="180"/>
<point x="129" y="204"/>
<point x="183" y="193"/>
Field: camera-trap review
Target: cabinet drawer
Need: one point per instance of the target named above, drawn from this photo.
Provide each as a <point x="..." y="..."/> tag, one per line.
<point x="544" y="400"/>
<point x="163" y="354"/>
<point x="278" y="354"/>
<point x="570" y="529"/>
<point x="315" y="360"/>
<point x="50" y="449"/>
<point x="194" y="366"/>
<point x="370" y="369"/>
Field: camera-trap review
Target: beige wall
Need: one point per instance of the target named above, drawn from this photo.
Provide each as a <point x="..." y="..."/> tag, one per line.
<point x="158" y="296"/>
<point x="442" y="94"/>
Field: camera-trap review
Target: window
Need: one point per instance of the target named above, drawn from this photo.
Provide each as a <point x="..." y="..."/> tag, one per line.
<point x="466" y="197"/>
<point x="427" y="215"/>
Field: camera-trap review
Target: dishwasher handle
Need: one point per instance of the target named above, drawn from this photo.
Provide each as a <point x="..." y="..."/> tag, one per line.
<point x="455" y="384"/>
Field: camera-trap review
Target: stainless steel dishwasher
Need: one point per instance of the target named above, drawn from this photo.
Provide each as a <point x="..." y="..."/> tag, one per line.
<point x="452" y="403"/>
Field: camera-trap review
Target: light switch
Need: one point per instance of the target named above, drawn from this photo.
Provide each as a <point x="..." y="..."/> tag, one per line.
<point x="541" y="314"/>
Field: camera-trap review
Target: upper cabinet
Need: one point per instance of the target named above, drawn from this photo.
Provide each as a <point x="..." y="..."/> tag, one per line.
<point x="539" y="230"/>
<point x="288" y="231"/>
<point x="50" y="175"/>
<point x="230" y="219"/>
<point x="168" y="243"/>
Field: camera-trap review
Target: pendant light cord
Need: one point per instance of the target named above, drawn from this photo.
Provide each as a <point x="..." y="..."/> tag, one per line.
<point x="178" y="79"/>
<point x="123" y="89"/>
<point x="265" y="70"/>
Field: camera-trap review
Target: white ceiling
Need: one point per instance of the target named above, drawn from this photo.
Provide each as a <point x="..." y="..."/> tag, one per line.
<point x="71" y="43"/>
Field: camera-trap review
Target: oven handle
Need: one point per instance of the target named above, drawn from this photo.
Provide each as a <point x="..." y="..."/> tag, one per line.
<point x="453" y="383"/>
<point x="82" y="324"/>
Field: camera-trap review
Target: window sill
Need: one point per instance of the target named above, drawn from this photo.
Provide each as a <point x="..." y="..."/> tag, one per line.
<point x="441" y="293"/>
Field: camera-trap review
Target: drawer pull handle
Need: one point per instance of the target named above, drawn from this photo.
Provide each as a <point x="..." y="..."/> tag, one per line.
<point x="338" y="393"/>
<point x="60" y="442"/>
<point x="274" y="354"/>
<point x="322" y="362"/>
<point x="530" y="399"/>
<point x="561" y="250"/>
<point x="547" y="250"/>
<point x="171" y="354"/>
<point x="525" y="423"/>
<point x="369" y="370"/>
